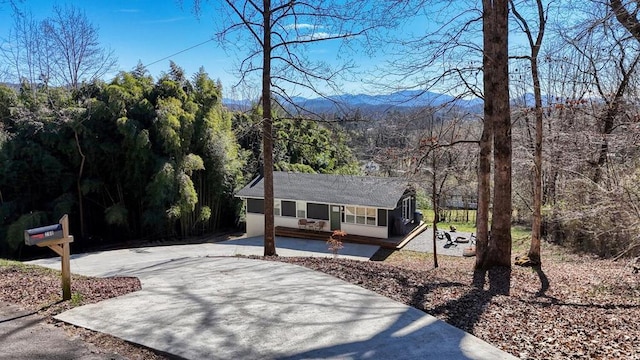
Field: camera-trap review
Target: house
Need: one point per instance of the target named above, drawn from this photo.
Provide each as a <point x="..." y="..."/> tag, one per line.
<point x="359" y="205"/>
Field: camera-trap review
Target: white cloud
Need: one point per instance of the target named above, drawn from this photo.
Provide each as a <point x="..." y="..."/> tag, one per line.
<point x="302" y="27"/>
<point x="318" y="36"/>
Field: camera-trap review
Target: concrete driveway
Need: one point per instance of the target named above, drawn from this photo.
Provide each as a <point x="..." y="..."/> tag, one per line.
<point x="197" y="304"/>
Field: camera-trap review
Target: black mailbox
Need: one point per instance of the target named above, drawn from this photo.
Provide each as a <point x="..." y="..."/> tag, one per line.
<point x="38" y="235"/>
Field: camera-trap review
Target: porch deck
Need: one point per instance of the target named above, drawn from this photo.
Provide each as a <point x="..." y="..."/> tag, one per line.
<point x="396" y="242"/>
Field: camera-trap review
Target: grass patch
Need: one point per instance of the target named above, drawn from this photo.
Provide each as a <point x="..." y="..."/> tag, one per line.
<point x="7" y="263"/>
<point x="17" y="265"/>
<point x="461" y="227"/>
<point x="410" y="255"/>
<point x="454" y="218"/>
<point x="76" y="299"/>
<point x="520" y="239"/>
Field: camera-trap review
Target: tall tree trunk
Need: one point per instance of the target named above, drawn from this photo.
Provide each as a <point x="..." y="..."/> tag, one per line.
<point x="534" y="249"/>
<point x="79" y="184"/>
<point x="496" y="92"/>
<point x="484" y="188"/>
<point x="267" y="136"/>
<point x="536" y="223"/>
<point x="486" y="147"/>
<point x="436" y="209"/>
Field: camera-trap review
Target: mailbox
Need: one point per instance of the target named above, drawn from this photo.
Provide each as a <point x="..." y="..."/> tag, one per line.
<point x="44" y="233"/>
<point x="57" y="238"/>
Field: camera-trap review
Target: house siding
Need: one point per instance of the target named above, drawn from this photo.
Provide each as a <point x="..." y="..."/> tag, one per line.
<point x="365" y="230"/>
<point x="255" y="224"/>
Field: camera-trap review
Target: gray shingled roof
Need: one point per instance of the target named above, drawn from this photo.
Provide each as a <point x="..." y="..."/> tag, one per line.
<point x="331" y="189"/>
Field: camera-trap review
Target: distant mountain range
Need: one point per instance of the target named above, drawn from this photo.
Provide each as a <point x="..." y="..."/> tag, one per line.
<point x="368" y="104"/>
<point x="401" y="100"/>
<point x="397" y="101"/>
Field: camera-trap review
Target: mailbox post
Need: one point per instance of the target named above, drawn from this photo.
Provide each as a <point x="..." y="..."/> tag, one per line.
<point x="57" y="238"/>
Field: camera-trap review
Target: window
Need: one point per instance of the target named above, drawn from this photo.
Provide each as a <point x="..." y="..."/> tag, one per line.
<point x="276" y="208"/>
<point x="406" y="208"/>
<point x="301" y="209"/>
<point x="371" y="216"/>
<point x="318" y="211"/>
<point x="350" y="214"/>
<point x="293" y="208"/>
<point x="255" y="206"/>
<point x="288" y="208"/>
<point x="382" y="217"/>
<point x="360" y="215"/>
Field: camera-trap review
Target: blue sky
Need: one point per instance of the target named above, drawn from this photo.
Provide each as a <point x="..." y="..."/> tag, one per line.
<point x="150" y="30"/>
<point x="146" y="31"/>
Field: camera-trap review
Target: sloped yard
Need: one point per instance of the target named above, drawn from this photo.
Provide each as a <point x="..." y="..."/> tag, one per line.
<point x="591" y="308"/>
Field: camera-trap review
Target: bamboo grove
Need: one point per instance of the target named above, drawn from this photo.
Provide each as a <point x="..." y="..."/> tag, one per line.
<point x="138" y="159"/>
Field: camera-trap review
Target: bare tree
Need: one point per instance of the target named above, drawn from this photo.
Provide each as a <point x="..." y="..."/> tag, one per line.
<point x="277" y="35"/>
<point x="446" y="56"/>
<point x="77" y="53"/>
<point x="440" y="151"/>
<point x="594" y="118"/>
<point x="535" y="43"/>
<point x="23" y="48"/>
<point x="62" y="50"/>
<point x="430" y="146"/>
<point x="627" y="15"/>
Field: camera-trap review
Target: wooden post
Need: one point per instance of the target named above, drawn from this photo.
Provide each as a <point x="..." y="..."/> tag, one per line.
<point x="65" y="255"/>
<point x="66" y="271"/>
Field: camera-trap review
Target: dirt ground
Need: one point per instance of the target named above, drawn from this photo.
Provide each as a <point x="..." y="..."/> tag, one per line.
<point x="572" y="307"/>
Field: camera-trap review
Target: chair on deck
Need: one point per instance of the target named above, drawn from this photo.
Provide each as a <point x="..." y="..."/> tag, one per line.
<point x="302" y="223"/>
<point x="319" y="225"/>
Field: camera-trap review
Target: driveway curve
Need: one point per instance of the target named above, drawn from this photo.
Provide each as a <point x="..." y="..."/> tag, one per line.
<point x="197" y="305"/>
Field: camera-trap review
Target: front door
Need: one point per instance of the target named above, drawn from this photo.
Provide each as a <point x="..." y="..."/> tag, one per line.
<point x="336" y="217"/>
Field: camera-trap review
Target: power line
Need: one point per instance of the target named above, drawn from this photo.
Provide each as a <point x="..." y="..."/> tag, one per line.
<point x="178" y="53"/>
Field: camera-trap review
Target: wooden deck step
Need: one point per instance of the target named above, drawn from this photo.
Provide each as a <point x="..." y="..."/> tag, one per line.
<point x="415" y="232"/>
<point x="324" y="235"/>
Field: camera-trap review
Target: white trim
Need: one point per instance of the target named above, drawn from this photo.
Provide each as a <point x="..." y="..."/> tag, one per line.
<point x="301" y="209"/>
<point x="277" y="207"/>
